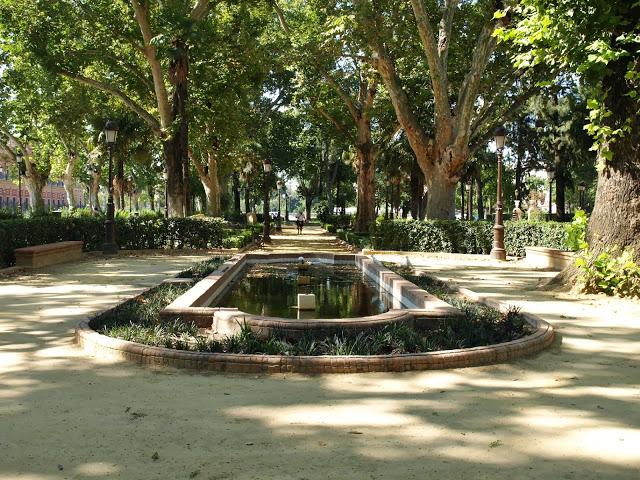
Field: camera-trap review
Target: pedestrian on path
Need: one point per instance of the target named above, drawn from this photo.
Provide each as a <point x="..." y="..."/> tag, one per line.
<point x="300" y="222"/>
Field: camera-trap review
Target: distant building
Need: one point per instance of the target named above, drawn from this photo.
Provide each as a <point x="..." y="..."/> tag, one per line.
<point x="53" y="194"/>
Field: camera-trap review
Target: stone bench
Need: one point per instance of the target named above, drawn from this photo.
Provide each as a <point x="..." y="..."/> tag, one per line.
<point x="48" y="254"/>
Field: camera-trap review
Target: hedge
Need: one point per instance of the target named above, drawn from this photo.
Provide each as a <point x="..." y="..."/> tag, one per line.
<point x="132" y="233"/>
<point x="465" y="236"/>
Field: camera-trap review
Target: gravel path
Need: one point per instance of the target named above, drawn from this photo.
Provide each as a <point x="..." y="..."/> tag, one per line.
<point x="571" y="412"/>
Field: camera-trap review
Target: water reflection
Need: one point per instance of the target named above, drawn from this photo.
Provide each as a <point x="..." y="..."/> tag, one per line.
<point x="341" y="291"/>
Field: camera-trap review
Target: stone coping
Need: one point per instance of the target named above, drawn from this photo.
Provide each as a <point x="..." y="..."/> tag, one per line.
<point x="158" y="357"/>
<point x="548" y="258"/>
<point x="410" y="303"/>
<point x="50" y="247"/>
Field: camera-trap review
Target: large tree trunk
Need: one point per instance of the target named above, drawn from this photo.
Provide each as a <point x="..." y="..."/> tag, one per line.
<point x="151" y="192"/>
<point x="308" y="202"/>
<point x="442" y="196"/>
<point x="615" y="219"/>
<point x="236" y="193"/>
<point x="94" y="188"/>
<point x="479" y="184"/>
<point x="211" y="184"/>
<point x="176" y="148"/>
<point x="68" y="182"/>
<point x="175" y="182"/>
<point x="366" y="153"/>
<point x="35" y="183"/>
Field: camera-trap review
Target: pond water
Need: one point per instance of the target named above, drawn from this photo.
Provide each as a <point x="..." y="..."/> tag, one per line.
<point x="342" y="291"/>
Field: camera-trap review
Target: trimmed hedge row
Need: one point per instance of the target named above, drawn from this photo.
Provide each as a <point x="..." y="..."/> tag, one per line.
<point x="132" y="233"/>
<point x="456" y="236"/>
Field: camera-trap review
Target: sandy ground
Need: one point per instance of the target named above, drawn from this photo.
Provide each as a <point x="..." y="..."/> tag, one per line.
<point x="572" y="412"/>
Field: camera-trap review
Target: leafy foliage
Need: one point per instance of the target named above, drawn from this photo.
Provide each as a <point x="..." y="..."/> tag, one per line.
<point x="611" y="272"/>
<point x="132" y="233"/>
<point x="576" y="231"/>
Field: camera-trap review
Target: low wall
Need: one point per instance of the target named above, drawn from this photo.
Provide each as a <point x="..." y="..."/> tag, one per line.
<point x="548" y="258"/>
<point x="158" y="357"/>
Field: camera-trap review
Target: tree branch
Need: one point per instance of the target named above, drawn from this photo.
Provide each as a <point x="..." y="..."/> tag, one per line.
<point x="344" y="96"/>
<point x="339" y="125"/>
<point x="200" y="10"/>
<point x="436" y="69"/>
<point x="281" y="17"/>
<point x="485" y="46"/>
<point x="141" y="15"/>
<point x="124" y="98"/>
<point x="444" y="35"/>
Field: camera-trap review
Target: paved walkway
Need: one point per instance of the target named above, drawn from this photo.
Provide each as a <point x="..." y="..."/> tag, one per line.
<point x="569" y="413"/>
<point x="312" y="239"/>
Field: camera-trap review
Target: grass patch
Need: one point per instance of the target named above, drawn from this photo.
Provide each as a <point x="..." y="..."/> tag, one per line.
<point x="202" y="269"/>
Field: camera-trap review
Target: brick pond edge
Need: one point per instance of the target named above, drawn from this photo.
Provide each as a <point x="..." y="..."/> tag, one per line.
<point x="157" y="357"/>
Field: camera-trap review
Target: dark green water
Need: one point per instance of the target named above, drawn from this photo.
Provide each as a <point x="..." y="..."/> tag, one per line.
<point x="341" y="291"/>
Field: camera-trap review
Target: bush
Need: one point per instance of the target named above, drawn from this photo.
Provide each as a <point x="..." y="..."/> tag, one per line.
<point x="576" y="232"/>
<point x="455" y="236"/>
<point x="132" y="233"/>
<point x="611" y="272"/>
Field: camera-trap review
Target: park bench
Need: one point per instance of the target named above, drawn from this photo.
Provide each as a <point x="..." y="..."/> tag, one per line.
<point x="48" y="254"/>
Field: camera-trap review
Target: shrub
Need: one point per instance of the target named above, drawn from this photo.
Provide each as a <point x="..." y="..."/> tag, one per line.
<point x="455" y="236"/>
<point x="132" y="233"/>
<point x="576" y="232"/>
<point x="611" y="272"/>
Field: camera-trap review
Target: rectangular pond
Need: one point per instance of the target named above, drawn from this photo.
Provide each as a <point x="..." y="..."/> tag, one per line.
<point x="341" y="291"/>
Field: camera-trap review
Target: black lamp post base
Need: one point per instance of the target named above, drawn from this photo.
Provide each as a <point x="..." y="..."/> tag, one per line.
<point x="110" y="248"/>
<point x="498" y="254"/>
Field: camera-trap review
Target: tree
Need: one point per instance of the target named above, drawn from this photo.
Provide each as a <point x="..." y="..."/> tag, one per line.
<point x="601" y="42"/>
<point x="486" y="94"/>
<point x="109" y="47"/>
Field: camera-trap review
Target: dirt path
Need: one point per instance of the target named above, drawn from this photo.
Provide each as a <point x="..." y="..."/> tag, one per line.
<point x="313" y="239"/>
<point x="571" y="412"/>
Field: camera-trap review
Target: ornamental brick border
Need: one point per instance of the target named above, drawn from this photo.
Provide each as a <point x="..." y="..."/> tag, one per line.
<point x="157" y="357"/>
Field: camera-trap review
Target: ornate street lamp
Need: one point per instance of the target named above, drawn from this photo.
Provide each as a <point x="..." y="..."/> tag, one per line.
<point x="280" y="185"/>
<point x="22" y="170"/>
<point x="266" y="224"/>
<point x="498" y="252"/>
<point x="551" y="174"/>
<point x="581" y="188"/>
<point x="110" y="247"/>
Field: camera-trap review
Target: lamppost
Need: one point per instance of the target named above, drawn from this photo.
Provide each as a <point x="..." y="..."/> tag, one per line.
<point x="581" y="188"/>
<point x="165" y="176"/>
<point x="551" y="173"/>
<point x="266" y="237"/>
<point x="110" y="247"/>
<point x="498" y="252"/>
<point x="22" y="169"/>
<point x="280" y="185"/>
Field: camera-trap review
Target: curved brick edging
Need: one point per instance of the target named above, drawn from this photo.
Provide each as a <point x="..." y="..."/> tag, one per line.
<point x="102" y="345"/>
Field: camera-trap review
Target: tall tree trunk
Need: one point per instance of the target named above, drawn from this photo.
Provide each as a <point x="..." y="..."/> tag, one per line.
<point x="176" y="148"/>
<point x="35" y="183"/>
<point x="175" y="182"/>
<point x="479" y="184"/>
<point x="366" y="153"/>
<point x="442" y="195"/>
<point x="68" y="182"/>
<point x="151" y="192"/>
<point x="561" y="178"/>
<point x="519" y="157"/>
<point x="236" y="193"/>
<point x="615" y="219"/>
<point x="94" y="188"/>
<point x="308" y="202"/>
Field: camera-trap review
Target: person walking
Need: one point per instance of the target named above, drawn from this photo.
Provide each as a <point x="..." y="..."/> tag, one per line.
<point x="300" y="222"/>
